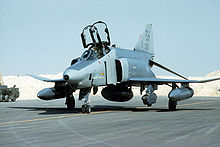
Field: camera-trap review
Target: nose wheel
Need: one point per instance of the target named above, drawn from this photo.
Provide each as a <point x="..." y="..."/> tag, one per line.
<point x="86" y="108"/>
<point x="84" y="94"/>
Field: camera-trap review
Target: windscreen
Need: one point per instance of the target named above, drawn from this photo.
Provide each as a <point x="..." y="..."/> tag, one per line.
<point x="88" y="55"/>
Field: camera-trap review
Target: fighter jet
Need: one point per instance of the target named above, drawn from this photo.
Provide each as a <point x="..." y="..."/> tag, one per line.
<point x="115" y="69"/>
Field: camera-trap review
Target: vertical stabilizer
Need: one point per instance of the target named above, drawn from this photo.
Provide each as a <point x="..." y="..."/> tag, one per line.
<point x="145" y="42"/>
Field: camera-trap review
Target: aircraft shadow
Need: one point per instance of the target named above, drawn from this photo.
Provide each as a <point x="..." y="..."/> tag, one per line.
<point x="137" y="109"/>
<point x="97" y="108"/>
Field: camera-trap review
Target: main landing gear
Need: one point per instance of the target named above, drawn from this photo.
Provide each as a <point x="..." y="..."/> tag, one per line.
<point x="172" y="105"/>
<point x="150" y="97"/>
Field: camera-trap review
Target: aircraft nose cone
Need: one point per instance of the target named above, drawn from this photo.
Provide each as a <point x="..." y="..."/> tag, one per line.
<point x="66" y="77"/>
<point x="74" y="76"/>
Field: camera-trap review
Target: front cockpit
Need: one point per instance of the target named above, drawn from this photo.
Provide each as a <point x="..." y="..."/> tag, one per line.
<point x="96" y="41"/>
<point x="88" y="55"/>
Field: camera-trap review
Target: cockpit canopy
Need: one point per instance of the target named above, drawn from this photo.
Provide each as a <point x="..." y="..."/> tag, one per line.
<point x="88" y="55"/>
<point x="95" y="35"/>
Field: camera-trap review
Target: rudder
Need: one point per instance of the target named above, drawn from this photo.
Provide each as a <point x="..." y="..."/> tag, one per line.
<point x="145" y="42"/>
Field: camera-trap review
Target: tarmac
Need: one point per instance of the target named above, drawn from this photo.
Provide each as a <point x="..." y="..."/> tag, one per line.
<point x="47" y="123"/>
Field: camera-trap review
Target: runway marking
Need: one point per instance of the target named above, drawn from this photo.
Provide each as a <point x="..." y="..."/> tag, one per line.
<point x="48" y="118"/>
<point x="82" y="135"/>
<point x="178" y="138"/>
<point x="196" y="103"/>
<point x="66" y="116"/>
<point x="210" y="131"/>
<point x="183" y="137"/>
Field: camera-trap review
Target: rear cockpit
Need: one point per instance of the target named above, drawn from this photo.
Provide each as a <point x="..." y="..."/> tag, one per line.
<point x="95" y="35"/>
<point x="96" y="38"/>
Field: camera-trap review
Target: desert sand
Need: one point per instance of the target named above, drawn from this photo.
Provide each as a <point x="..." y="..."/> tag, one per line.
<point x="29" y="87"/>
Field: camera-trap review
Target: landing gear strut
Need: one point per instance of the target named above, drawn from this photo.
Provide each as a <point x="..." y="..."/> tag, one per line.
<point x="86" y="106"/>
<point x="84" y="94"/>
<point x="172" y="104"/>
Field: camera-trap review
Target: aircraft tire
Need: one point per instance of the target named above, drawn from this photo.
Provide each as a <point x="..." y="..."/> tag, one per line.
<point x="83" y="108"/>
<point x="86" y="109"/>
<point x="70" y="102"/>
<point x="172" y="105"/>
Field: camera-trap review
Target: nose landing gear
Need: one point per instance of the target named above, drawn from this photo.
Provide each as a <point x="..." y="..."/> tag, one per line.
<point x="84" y="94"/>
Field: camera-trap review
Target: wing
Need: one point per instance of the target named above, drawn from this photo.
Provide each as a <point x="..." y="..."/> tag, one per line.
<point x="166" y="81"/>
<point x="46" y="79"/>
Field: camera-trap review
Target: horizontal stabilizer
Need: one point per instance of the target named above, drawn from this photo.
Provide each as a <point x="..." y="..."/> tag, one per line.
<point x="46" y="79"/>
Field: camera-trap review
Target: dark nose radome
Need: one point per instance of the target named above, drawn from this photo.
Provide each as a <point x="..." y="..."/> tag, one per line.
<point x="66" y="77"/>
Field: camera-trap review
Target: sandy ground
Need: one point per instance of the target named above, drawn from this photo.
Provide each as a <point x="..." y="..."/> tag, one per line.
<point x="29" y="87"/>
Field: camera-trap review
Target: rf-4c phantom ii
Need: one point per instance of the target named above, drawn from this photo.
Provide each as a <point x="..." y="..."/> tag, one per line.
<point x="103" y="64"/>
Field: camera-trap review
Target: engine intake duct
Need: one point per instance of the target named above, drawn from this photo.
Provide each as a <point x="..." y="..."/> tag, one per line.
<point x="117" y="93"/>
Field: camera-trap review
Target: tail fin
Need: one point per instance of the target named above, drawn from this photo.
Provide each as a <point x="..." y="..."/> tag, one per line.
<point x="145" y="42"/>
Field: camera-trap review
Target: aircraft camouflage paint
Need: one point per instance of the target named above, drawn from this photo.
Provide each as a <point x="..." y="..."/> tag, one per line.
<point x="117" y="69"/>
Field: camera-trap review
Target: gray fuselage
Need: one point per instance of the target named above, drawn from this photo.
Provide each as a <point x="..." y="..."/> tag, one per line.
<point x="117" y="66"/>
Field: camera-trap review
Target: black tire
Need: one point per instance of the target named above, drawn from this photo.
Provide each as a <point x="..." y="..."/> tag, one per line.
<point x="13" y="100"/>
<point x="144" y="99"/>
<point x="83" y="108"/>
<point x="70" y="102"/>
<point x="86" y="109"/>
<point x="172" y="105"/>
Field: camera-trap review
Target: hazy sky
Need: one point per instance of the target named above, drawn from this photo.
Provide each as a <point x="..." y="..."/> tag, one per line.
<point x="43" y="36"/>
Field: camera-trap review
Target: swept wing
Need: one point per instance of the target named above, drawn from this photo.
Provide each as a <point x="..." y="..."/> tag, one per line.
<point x="166" y="81"/>
<point x="46" y="79"/>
